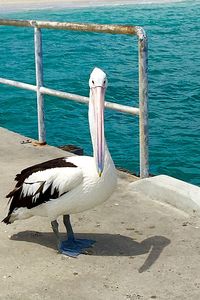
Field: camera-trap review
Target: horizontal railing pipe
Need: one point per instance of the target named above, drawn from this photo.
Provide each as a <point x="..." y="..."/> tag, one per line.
<point x="86" y="27"/>
<point x="82" y="99"/>
<point x="18" y="84"/>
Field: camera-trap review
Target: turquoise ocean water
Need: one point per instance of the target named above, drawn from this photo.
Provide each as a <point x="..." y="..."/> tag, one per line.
<point x="174" y="82"/>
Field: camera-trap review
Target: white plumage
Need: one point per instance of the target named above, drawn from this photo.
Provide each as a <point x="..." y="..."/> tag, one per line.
<point x="81" y="187"/>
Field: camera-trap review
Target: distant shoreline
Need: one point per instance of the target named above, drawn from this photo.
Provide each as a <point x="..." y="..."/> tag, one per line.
<point x="25" y="5"/>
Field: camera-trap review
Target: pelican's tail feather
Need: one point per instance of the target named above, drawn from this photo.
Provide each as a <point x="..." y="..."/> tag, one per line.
<point x="7" y="219"/>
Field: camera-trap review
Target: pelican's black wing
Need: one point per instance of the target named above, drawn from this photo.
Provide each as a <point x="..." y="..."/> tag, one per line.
<point x="43" y="182"/>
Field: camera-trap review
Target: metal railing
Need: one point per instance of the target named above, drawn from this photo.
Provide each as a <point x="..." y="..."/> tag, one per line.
<point x="39" y="88"/>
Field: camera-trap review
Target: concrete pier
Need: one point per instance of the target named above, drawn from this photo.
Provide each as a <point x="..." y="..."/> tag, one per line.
<point x="145" y="249"/>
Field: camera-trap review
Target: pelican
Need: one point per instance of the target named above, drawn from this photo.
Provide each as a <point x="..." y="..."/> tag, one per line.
<point x="68" y="185"/>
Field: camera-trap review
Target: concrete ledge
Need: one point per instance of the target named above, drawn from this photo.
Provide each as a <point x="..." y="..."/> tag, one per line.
<point x="143" y="250"/>
<point x="170" y="190"/>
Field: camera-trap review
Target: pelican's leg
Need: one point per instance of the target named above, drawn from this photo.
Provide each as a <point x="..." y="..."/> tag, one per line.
<point x="73" y="247"/>
<point x="54" y="225"/>
<point x="68" y="226"/>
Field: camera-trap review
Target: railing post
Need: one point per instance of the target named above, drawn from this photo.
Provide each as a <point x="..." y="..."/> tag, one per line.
<point x="143" y="103"/>
<point x="39" y="83"/>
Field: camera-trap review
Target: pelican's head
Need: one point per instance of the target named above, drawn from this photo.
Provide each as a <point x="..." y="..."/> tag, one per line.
<point x="98" y="84"/>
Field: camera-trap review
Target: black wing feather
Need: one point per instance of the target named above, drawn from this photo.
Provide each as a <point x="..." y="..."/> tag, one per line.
<point x="17" y="199"/>
<point x="53" y="163"/>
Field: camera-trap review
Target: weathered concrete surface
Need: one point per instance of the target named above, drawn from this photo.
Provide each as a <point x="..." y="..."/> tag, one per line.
<point x="144" y="250"/>
<point x="166" y="189"/>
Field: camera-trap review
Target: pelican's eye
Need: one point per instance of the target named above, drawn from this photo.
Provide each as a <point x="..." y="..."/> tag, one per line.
<point x="92" y="81"/>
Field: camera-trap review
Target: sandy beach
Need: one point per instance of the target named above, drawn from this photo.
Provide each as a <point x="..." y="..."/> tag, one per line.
<point x="15" y="5"/>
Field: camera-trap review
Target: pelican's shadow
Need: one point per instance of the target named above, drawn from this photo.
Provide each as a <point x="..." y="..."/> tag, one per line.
<point x="106" y="244"/>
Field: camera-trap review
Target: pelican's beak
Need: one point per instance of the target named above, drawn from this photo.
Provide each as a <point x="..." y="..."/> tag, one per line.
<point x="99" y="95"/>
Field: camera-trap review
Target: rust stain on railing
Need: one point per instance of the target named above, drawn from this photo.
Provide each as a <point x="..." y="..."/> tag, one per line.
<point x="87" y="27"/>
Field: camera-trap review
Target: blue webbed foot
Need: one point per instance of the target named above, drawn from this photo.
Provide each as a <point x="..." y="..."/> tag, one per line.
<point x="73" y="248"/>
